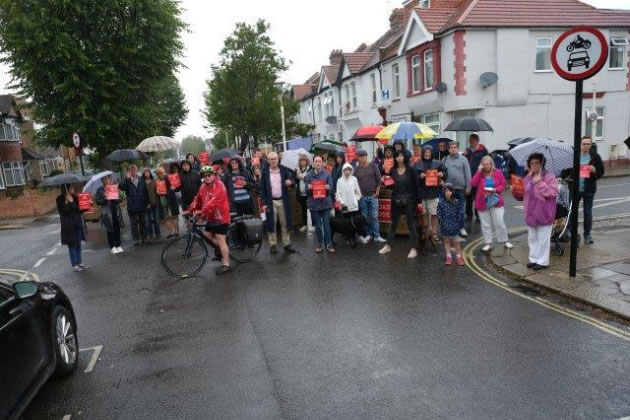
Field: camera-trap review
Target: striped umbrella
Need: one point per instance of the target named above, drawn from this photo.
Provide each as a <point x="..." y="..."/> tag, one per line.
<point x="157" y="144"/>
<point x="406" y="131"/>
<point x="558" y="155"/>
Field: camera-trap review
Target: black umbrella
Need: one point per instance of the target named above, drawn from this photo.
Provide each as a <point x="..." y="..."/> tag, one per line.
<point x="468" y="124"/>
<point x="520" y="140"/>
<point x="62" y="179"/>
<point x="222" y="154"/>
<point x="328" y="147"/>
<point x="122" y="155"/>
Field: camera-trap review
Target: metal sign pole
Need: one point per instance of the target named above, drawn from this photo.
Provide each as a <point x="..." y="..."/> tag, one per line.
<point x="575" y="192"/>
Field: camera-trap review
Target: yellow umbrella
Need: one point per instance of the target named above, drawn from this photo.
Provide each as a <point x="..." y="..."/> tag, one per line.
<point x="406" y="131"/>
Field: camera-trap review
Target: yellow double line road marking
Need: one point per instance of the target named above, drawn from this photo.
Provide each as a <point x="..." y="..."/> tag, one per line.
<point x="471" y="262"/>
<point x="20" y="274"/>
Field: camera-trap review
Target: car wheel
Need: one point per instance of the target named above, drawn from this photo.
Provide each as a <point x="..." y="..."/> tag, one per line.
<point x="66" y="343"/>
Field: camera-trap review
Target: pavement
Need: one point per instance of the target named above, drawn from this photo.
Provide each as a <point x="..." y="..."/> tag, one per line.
<point x="350" y="335"/>
<point x="603" y="275"/>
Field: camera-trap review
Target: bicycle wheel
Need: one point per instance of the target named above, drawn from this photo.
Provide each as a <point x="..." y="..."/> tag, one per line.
<point x="184" y="257"/>
<point x="241" y="250"/>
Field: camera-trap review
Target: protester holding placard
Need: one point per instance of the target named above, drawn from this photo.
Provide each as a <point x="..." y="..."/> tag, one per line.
<point x="72" y="232"/>
<point x="111" y="216"/>
<point x="174" y="181"/>
<point x="404" y="202"/>
<point x="489" y="184"/>
<point x="167" y="202"/>
<point x="136" y="192"/>
<point x="152" y="213"/>
<point x="431" y="174"/>
<point x="591" y="169"/>
<point x="191" y="181"/>
<point x="387" y="163"/>
<point x="319" y="185"/>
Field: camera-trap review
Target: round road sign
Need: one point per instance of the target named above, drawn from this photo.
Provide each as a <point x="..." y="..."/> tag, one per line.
<point x="76" y="140"/>
<point x="579" y="53"/>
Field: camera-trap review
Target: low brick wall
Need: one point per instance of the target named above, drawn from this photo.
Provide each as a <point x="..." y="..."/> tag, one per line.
<point x="32" y="203"/>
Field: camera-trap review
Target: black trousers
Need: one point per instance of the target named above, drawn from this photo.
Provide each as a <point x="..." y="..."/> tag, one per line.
<point x="244" y="207"/>
<point x="470" y="200"/>
<point x="410" y="215"/>
<point x="136" y="220"/>
<point x="302" y="199"/>
<point x="113" y="237"/>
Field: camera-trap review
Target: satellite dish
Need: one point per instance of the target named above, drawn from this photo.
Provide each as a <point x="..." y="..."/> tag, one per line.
<point x="488" y="79"/>
<point x="441" y="87"/>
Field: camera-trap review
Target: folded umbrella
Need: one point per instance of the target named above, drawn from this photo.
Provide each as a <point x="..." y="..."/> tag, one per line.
<point x="96" y="181"/>
<point x="123" y="155"/>
<point x="468" y="124"/>
<point x="157" y="144"/>
<point x="558" y="155"/>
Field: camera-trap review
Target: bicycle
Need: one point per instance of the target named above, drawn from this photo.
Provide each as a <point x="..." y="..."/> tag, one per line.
<point x="186" y="256"/>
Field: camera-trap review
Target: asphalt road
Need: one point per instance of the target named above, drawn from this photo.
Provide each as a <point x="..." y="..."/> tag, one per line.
<point x="352" y="335"/>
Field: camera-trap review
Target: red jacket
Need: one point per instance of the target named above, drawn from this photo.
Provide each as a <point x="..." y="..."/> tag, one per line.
<point x="212" y="201"/>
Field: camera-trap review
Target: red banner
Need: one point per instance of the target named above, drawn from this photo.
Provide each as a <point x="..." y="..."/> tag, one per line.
<point x="111" y="192"/>
<point x="174" y="180"/>
<point x="585" y="171"/>
<point x="431" y="178"/>
<point x="351" y="153"/>
<point x="388" y="164"/>
<point x="204" y="157"/>
<point x="319" y="189"/>
<point x="160" y="187"/>
<point x="85" y="201"/>
<point x="385" y="210"/>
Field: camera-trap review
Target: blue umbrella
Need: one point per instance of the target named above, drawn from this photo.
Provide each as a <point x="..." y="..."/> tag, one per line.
<point x="434" y="143"/>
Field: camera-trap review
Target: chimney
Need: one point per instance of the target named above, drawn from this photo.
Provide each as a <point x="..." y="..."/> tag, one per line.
<point x="397" y="20"/>
<point x="335" y="57"/>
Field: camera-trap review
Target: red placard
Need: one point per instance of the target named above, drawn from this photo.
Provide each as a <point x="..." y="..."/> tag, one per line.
<point x="160" y="187"/>
<point x="337" y="206"/>
<point x="385" y="210"/>
<point x="240" y="182"/>
<point x="387" y="181"/>
<point x="585" y="171"/>
<point x="319" y="188"/>
<point x="85" y="201"/>
<point x="431" y="178"/>
<point x="174" y="180"/>
<point x="204" y="157"/>
<point x="517" y="187"/>
<point x="329" y="168"/>
<point x="111" y="192"/>
<point x="351" y="153"/>
<point x="388" y="164"/>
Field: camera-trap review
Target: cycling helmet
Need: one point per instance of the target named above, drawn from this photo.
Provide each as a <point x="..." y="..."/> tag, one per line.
<point x="206" y="170"/>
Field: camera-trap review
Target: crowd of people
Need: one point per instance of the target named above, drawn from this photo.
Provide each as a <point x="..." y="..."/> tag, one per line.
<point x="442" y="186"/>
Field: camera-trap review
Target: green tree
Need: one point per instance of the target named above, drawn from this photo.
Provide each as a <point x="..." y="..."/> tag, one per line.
<point x="241" y="94"/>
<point x="103" y="68"/>
<point x="221" y="140"/>
<point x="192" y="144"/>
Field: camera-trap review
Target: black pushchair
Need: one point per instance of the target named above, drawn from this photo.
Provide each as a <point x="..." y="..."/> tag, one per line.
<point x="561" y="232"/>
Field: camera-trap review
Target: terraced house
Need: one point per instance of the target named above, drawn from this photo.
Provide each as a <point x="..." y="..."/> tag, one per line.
<point x="443" y="59"/>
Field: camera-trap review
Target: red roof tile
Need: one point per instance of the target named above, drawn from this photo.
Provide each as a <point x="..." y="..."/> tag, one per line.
<point x="331" y="73"/>
<point x="356" y="60"/>
<point x="301" y="91"/>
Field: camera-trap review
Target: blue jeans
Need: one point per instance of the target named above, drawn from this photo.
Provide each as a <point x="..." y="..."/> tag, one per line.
<point x="75" y="252"/>
<point x="588" y="212"/>
<point x="321" y="220"/>
<point x="369" y="209"/>
<point x="460" y="195"/>
<point x="152" y="220"/>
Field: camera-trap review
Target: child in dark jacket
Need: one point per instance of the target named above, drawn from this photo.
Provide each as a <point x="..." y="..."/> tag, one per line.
<point x="449" y="216"/>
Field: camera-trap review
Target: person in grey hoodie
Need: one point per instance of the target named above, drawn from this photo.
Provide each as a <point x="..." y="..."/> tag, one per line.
<point x="459" y="177"/>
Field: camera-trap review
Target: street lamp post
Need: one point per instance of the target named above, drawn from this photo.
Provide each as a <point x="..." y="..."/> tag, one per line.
<point x="280" y="85"/>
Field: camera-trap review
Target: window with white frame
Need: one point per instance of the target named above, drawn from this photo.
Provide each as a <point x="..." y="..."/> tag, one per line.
<point x="13" y="173"/>
<point x="543" y="54"/>
<point x="617" y="53"/>
<point x="373" y="84"/>
<point x="9" y="131"/>
<point x="428" y="69"/>
<point x="46" y="166"/>
<point x="353" y="88"/>
<point x="599" y="123"/>
<point x="319" y="109"/>
<point x="347" y="97"/>
<point x="432" y="120"/>
<point x="415" y="73"/>
<point x="396" y="81"/>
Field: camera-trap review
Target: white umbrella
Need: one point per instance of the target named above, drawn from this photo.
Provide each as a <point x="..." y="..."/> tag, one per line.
<point x="558" y="155"/>
<point x="96" y="181"/>
<point x="291" y="158"/>
<point x="157" y="144"/>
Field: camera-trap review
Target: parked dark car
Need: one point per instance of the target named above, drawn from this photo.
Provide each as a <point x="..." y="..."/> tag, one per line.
<point x="38" y="339"/>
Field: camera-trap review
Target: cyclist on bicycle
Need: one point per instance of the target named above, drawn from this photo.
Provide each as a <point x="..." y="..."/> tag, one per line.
<point x="212" y="203"/>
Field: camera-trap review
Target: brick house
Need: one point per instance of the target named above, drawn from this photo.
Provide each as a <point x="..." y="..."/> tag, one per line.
<point x="11" y="162"/>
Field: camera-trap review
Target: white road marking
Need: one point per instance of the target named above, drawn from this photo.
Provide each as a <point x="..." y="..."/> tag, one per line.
<point x="66" y="417"/>
<point x="39" y="262"/>
<point x="94" y="359"/>
<point x="53" y="250"/>
<point x="610" y="186"/>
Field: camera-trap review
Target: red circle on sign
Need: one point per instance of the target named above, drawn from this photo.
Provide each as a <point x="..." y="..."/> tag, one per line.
<point x="591" y="71"/>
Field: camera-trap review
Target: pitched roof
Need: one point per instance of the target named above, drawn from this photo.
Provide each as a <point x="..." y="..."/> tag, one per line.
<point x="356" y="60"/>
<point x="449" y="14"/>
<point x="331" y="73"/>
<point x="314" y="79"/>
<point x="301" y="91"/>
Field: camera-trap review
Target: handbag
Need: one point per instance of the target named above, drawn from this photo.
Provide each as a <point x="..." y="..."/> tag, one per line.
<point x="492" y="200"/>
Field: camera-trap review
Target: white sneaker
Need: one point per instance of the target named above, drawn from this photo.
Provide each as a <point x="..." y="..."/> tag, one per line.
<point x="413" y="253"/>
<point x="311" y="228"/>
<point x="379" y="240"/>
<point x="114" y="250"/>
<point x="367" y="238"/>
<point x="385" y="249"/>
<point x="463" y="232"/>
<point x="363" y="240"/>
<point x="508" y="245"/>
<point x="303" y="229"/>
<point x="486" y="248"/>
<point x="119" y="250"/>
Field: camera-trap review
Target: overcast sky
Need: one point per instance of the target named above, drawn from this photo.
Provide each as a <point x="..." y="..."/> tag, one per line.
<point x="304" y="31"/>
